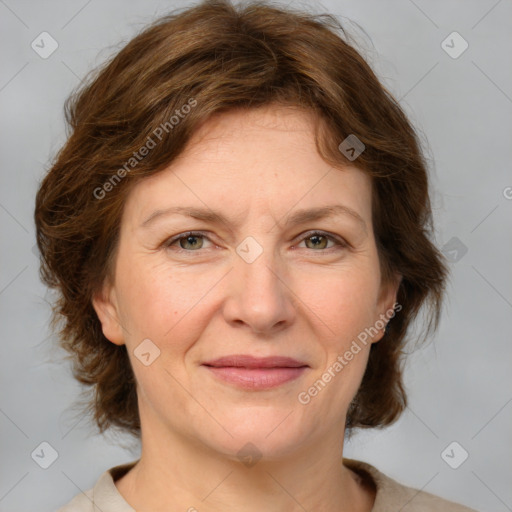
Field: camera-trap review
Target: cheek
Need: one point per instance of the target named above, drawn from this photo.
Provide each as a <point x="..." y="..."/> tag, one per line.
<point x="342" y="302"/>
<point x="343" y="308"/>
<point x="162" y="305"/>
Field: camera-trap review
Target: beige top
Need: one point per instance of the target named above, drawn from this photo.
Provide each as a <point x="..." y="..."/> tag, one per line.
<point x="390" y="497"/>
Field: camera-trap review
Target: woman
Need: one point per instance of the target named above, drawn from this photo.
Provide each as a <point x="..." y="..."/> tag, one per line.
<point x="238" y="228"/>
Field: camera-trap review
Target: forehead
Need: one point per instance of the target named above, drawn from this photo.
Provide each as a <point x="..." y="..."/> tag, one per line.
<point x="258" y="159"/>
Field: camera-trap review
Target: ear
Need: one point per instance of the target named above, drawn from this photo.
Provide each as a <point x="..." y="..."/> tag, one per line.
<point x="385" y="304"/>
<point x="105" y="304"/>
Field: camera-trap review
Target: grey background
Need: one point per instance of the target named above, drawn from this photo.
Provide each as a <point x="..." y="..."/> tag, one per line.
<point x="459" y="384"/>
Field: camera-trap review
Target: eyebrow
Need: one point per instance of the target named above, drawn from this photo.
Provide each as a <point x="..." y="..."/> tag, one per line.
<point x="297" y="217"/>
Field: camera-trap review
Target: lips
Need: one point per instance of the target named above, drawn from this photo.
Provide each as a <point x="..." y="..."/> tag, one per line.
<point x="247" y="361"/>
<point x="255" y="373"/>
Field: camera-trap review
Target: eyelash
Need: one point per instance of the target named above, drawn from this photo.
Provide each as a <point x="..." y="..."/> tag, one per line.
<point x="339" y="242"/>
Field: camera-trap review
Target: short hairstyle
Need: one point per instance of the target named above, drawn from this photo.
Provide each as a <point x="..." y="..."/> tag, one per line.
<point x="154" y="94"/>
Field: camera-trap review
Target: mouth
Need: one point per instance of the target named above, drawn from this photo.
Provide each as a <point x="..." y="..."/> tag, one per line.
<point x="254" y="373"/>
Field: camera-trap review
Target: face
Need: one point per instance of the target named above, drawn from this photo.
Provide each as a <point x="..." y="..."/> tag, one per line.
<point x="231" y="251"/>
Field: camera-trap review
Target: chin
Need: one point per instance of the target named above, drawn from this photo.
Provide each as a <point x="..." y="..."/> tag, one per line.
<point x="257" y="434"/>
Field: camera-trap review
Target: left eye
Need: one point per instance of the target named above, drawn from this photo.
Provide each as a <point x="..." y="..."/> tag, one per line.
<point x="320" y="241"/>
<point x="191" y="242"/>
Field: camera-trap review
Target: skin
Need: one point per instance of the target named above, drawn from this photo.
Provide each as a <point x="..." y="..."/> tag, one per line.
<point x="306" y="298"/>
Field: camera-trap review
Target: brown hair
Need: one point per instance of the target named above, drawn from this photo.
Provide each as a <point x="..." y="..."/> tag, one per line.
<point x="215" y="56"/>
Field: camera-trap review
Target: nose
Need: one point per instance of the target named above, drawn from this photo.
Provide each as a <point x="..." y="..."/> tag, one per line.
<point x="260" y="299"/>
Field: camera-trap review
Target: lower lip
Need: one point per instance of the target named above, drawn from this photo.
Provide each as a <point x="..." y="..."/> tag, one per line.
<point x="256" y="378"/>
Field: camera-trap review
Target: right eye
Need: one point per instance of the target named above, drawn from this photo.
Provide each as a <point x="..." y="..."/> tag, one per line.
<point x="188" y="242"/>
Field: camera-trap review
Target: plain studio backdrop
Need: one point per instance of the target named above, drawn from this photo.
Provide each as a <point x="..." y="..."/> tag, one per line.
<point x="448" y="62"/>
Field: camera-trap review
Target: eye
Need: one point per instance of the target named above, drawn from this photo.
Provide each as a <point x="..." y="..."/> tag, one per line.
<point x="191" y="241"/>
<point x="318" y="240"/>
<point x="314" y="240"/>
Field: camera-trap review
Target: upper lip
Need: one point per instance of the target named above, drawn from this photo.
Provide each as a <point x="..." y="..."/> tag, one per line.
<point x="248" y="361"/>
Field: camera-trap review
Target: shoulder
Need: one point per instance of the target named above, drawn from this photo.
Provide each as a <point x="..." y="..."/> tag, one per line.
<point x="82" y="502"/>
<point x="104" y="496"/>
<point x="391" y="495"/>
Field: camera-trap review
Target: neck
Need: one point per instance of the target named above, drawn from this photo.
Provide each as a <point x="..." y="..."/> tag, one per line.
<point x="184" y="474"/>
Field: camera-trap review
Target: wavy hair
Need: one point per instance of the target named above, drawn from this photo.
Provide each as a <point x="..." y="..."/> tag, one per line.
<point x="224" y="56"/>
